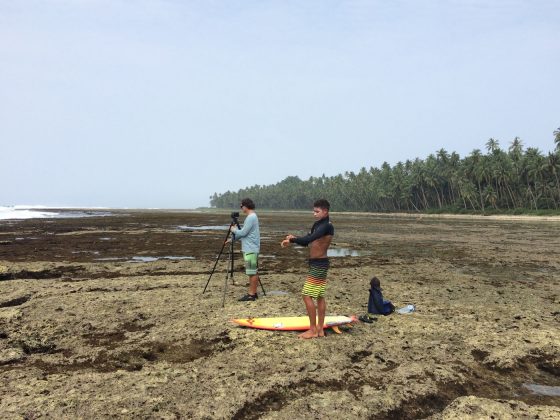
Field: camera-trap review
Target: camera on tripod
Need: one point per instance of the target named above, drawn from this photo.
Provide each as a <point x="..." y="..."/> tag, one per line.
<point x="235" y="218"/>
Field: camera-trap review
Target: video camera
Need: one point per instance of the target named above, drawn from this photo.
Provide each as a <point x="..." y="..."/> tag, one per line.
<point x="235" y="218"/>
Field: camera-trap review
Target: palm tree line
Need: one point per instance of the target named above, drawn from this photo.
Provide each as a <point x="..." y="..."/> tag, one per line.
<point x="511" y="179"/>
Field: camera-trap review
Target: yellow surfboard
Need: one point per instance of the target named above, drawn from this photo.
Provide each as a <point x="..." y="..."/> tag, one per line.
<point x="291" y="323"/>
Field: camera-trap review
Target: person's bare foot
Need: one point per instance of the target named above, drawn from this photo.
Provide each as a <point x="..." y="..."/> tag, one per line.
<point x="321" y="333"/>
<point x="308" y="334"/>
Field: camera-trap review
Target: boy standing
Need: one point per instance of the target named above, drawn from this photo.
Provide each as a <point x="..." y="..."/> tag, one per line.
<point x="319" y="240"/>
<point x="250" y="245"/>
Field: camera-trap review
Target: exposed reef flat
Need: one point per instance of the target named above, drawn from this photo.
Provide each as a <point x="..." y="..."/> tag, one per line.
<point x="97" y="320"/>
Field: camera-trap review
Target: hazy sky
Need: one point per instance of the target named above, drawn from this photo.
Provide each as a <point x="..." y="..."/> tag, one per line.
<point x="161" y="103"/>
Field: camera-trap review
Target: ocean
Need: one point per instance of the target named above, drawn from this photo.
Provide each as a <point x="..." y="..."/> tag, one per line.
<point x="44" y="212"/>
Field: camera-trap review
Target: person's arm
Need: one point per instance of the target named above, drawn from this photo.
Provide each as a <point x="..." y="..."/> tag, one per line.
<point x="286" y="241"/>
<point x="323" y="230"/>
<point x="247" y="227"/>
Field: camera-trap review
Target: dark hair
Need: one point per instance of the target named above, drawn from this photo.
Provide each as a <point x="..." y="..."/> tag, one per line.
<point x="322" y="204"/>
<point x="247" y="202"/>
<point x="375" y="283"/>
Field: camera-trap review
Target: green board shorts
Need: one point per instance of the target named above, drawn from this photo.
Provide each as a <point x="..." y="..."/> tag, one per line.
<point x="251" y="263"/>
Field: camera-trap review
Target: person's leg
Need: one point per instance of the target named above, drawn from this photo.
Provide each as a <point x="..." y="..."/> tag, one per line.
<point x="321" y="309"/>
<point x="319" y="274"/>
<point x="253" y="283"/>
<point x="312" y="314"/>
<point x="251" y="267"/>
<point x="311" y="290"/>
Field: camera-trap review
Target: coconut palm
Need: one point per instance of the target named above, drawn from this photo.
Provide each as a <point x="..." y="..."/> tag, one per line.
<point x="492" y="145"/>
<point x="553" y="166"/>
<point x="513" y="179"/>
<point x="516" y="146"/>
<point x="491" y="196"/>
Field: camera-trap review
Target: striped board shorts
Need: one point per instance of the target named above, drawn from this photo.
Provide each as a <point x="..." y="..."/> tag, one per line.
<point x="251" y="263"/>
<point x="316" y="282"/>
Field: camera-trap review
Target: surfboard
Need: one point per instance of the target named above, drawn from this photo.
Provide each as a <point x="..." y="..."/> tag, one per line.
<point x="292" y="323"/>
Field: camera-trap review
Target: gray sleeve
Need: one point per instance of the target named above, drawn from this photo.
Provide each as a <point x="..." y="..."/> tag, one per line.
<point x="247" y="228"/>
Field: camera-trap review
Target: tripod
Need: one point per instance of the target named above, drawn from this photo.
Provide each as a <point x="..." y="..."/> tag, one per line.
<point x="229" y="271"/>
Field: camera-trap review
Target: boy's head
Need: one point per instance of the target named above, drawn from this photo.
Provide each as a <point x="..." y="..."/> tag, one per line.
<point x="375" y="283"/>
<point x="321" y="209"/>
<point x="247" y="204"/>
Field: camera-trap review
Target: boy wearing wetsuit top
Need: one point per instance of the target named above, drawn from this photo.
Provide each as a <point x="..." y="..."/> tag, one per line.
<point x="319" y="240"/>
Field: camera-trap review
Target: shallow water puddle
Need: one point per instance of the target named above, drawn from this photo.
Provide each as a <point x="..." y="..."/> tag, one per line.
<point x="345" y="252"/>
<point x="548" y="391"/>
<point x="212" y="227"/>
<point x="277" y="293"/>
<point x="138" y="259"/>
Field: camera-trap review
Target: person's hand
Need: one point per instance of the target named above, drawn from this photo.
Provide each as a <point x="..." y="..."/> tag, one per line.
<point x="232" y="228"/>
<point x="227" y="241"/>
<point x="285" y="243"/>
<point x="288" y="237"/>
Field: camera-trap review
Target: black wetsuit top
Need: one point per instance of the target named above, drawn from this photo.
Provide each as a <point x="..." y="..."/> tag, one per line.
<point x="320" y="228"/>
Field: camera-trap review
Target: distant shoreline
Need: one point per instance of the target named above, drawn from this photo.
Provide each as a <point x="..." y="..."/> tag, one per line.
<point x="117" y="211"/>
<point x="498" y="217"/>
<point x="503" y="217"/>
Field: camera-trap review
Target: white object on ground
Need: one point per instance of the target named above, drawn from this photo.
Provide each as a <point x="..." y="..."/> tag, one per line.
<point x="408" y="309"/>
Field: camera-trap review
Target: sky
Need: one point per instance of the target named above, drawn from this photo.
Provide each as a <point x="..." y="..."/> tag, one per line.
<point x="161" y="103"/>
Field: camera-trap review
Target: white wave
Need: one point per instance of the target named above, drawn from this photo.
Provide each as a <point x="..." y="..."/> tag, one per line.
<point x="42" y="212"/>
<point x="42" y="207"/>
<point x="17" y="212"/>
<point x="28" y="207"/>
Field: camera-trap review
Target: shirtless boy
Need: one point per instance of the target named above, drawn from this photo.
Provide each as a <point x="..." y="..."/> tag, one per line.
<point x="319" y="240"/>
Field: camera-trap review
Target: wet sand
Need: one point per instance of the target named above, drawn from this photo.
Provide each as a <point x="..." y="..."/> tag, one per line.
<point x="84" y="333"/>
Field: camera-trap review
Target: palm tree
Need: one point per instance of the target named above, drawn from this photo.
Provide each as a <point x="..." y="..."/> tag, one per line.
<point x="511" y="179"/>
<point x="418" y="173"/>
<point x="553" y="165"/>
<point x="516" y="146"/>
<point x="534" y="172"/>
<point x="476" y="169"/>
<point x="468" y="192"/>
<point x="492" y="145"/>
<point x="433" y="177"/>
<point x="491" y="196"/>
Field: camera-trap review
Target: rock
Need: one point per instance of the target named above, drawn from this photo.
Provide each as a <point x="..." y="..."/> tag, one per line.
<point x="14" y="299"/>
<point x="9" y="314"/>
<point x="11" y="355"/>
<point x="474" y="407"/>
<point x="311" y="367"/>
<point x="33" y="345"/>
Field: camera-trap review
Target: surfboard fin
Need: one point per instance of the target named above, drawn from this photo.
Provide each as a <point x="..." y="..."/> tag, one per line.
<point x="336" y="329"/>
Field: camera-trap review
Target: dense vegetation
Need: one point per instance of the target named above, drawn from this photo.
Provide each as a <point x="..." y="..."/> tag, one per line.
<point x="499" y="180"/>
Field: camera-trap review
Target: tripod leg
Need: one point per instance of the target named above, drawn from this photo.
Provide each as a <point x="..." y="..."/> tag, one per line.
<point x="225" y="290"/>
<point x="231" y="256"/>
<point x="217" y="259"/>
<point x="262" y="287"/>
